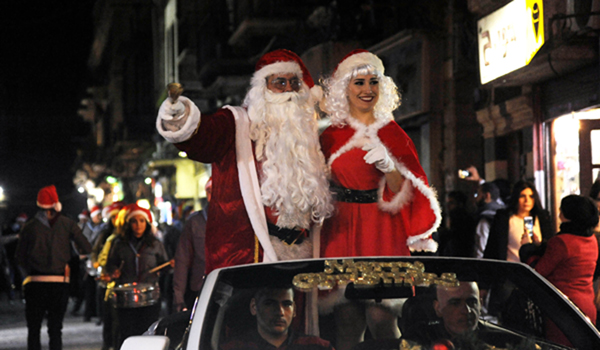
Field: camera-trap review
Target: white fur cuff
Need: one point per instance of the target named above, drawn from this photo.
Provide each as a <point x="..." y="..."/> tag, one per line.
<point x="400" y="199"/>
<point x="190" y="120"/>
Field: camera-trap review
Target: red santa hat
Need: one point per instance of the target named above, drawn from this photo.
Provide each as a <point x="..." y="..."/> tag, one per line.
<point x="112" y="210"/>
<point x="21" y="218"/>
<point x="355" y="59"/>
<point x="95" y="211"/>
<point x="134" y="209"/>
<point x="84" y="214"/>
<point x="280" y="62"/>
<point x="47" y="198"/>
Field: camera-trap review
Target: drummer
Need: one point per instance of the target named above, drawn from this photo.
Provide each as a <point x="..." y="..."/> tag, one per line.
<point x="131" y="260"/>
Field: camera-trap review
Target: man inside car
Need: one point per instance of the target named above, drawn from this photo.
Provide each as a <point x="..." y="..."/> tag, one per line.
<point x="458" y="309"/>
<point x="274" y="310"/>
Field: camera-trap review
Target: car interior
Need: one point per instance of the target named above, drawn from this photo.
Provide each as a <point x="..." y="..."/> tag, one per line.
<point x="511" y="318"/>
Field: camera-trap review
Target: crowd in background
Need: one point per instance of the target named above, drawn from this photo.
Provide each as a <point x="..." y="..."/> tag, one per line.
<point x="475" y="225"/>
<point x="119" y="257"/>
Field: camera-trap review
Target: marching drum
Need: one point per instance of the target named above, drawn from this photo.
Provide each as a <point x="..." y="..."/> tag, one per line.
<point x="135" y="295"/>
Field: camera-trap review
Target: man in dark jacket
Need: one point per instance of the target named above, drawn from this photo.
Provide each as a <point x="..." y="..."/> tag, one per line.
<point x="274" y="310"/>
<point x="488" y="199"/>
<point x="44" y="250"/>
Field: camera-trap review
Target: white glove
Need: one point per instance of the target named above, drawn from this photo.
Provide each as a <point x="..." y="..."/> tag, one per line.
<point x="378" y="155"/>
<point x="175" y="110"/>
<point x="173" y="116"/>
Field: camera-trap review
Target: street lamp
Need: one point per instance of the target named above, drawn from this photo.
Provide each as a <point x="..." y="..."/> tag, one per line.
<point x="2" y="197"/>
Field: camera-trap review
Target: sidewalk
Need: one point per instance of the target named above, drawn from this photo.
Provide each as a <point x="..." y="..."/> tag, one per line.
<point x="77" y="335"/>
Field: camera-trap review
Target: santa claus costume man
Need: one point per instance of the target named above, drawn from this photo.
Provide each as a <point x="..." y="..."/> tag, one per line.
<point x="269" y="175"/>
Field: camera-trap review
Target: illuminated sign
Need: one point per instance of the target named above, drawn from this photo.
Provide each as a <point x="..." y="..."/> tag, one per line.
<point x="366" y="274"/>
<point x="509" y="38"/>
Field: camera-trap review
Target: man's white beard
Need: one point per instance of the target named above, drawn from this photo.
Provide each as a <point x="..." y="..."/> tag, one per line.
<point x="293" y="177"/>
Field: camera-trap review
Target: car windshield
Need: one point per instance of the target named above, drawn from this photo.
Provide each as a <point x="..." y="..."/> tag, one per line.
<point x="464" y="303"/>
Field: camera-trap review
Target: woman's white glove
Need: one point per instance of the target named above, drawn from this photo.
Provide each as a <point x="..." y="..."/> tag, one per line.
<point x="378" y="155"/>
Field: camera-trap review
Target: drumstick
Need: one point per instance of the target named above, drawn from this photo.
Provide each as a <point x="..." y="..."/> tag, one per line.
<point x="159" y="267"/>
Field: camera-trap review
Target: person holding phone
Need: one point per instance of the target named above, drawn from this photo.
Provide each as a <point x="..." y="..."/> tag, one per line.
<point x="509" y="231"/>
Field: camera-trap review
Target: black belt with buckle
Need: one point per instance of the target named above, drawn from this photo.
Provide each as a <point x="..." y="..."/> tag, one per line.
<point x="286" y="235"/>
<point x="348" y="195"/>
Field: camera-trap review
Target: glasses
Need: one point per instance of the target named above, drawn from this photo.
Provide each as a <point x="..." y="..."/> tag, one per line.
<point x="281" y="84"/>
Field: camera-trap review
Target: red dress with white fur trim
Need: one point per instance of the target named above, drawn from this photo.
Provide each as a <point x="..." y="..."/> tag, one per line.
<point x="399" y="222"/>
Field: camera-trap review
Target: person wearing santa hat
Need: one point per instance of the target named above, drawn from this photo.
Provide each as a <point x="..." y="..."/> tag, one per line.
<point x="269" y="175"/>
<point x="132" y="259"/>
<point x="109" y="214"/>
<point x="83" y="217"/>
<point x="91" y="230"/>
<point x="384" y="205"/>
<point x="114" y="215"/>
<point x="44" y="251"/>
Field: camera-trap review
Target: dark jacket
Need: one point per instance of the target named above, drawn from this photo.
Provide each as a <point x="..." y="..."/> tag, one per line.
<point x="45" y="250"/>
<point x="190" y="261"/>
<point x="295" y="341"/>
<point x="497" y="244"/>
<point x="123" y="256"/>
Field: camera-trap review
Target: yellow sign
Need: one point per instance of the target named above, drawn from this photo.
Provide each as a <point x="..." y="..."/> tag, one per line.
<point x="509" y="38"/>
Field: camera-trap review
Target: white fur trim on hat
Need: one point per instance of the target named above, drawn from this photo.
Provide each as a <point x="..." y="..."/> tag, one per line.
<point x="138" y="212"/>
<point x="275" y="68"/>
<point x="56" y="206"/>
<point x="95" y="211"/>
<point x="359" y="59"/>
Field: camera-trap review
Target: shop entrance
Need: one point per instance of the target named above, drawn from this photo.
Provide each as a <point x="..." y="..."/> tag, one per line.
<point x="575" y="155"/>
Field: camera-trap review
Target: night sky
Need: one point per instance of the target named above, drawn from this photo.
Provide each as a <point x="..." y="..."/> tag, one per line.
<point x="43" y="77"/>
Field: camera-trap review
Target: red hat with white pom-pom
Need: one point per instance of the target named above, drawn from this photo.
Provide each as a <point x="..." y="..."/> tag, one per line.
<point x="47" y="198"/>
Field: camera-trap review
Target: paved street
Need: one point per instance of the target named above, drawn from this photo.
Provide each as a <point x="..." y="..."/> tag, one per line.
<point x="77" y="335"/>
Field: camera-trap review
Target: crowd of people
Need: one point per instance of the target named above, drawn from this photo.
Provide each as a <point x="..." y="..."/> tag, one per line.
<point x="279" y="191"/>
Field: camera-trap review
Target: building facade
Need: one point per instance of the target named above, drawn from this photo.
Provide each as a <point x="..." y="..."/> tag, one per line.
<point x="508" y="127"/>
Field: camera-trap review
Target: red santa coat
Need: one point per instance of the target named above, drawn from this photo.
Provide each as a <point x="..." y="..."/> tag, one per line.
<point x="397" y="223"/>
<point x="236" y="217"/>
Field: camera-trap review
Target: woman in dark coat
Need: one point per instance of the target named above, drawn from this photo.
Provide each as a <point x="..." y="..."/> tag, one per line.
<point x="507" y="233"/>
<point x="131" y="260"/>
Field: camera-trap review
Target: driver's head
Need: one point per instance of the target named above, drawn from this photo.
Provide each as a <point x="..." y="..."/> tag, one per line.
<point x="459" y="307"/>
<point x="274" y="309"/>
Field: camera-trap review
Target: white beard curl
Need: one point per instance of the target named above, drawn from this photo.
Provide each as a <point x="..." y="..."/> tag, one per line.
<point x="294" y="176"/>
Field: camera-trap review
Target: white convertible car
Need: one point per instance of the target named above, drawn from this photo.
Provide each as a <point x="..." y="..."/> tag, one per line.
<point x="519" y="309"/>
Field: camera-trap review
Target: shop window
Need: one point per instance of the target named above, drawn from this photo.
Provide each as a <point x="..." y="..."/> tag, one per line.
<point x="595" y="141"/>
<point x="566" y="156"/>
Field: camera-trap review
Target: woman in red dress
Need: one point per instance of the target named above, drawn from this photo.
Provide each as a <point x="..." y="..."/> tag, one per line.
<point x="384" y="205"/>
